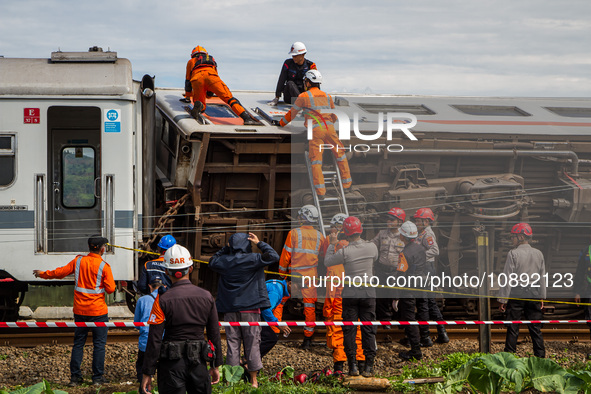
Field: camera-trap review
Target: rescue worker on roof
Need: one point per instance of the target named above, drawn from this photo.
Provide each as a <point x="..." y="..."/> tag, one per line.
<point x="333" y="303"/>
<point x="291" y="78"/>
<point x="311" y="101"/>
<point x="523" y="259"/>
<point x="92" y="279"/>
<point x="154" y="268"/>
<point x="412" y="262"/>
<point x="182" y="314"/>
<point x="300" y="258"/>
<point x="389" y="245"/>
<point x="201" y="78"/>
<point x="424" y="218"/>
<point x="582" y="283"/>
<point x="359" y="303"/>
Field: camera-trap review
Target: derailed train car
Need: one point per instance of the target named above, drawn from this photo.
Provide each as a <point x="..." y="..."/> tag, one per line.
<point x="86" y="150"/>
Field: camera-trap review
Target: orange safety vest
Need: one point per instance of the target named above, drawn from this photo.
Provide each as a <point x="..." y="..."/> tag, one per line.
<point x="301" y="250"/>
<point x="92" y="278"/>
<point x="311" y="102"/>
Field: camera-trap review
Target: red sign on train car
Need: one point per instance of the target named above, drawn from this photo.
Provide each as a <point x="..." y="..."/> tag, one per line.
<point x="32" y="115"/>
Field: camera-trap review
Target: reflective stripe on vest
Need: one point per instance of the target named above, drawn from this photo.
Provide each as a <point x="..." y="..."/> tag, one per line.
<point x="315" y="107"/>
<point x="300" y="247"/>
<point x="99" y="275"/>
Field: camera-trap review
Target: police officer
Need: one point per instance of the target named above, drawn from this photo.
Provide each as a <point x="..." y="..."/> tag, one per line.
<point x="154" y="267"/>
<point x="389" y="245"/>
<point x="423" y="218"/>
<point x="358" y="302"/>
<point x="413" y="262"/>
<point x="182" y="314"/>
<point x="523" y="259"/>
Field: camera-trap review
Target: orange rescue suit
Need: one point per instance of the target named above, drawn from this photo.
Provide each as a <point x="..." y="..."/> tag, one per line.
<point x="93" y="278"/>
<point x="300" y="256"/>
<point x="311" y="102"/>
<point x="333" y="311"/>
<point x="204" y="78"/>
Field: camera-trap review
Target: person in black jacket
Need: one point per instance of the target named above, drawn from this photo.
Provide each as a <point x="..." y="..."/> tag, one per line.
<point x="182" y="314"/>
<point x="291" y="78"/>
<point x="242" y="294"/>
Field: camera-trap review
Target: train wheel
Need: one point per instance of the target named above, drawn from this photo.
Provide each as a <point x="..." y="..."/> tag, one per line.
<point x="131" y="297"/>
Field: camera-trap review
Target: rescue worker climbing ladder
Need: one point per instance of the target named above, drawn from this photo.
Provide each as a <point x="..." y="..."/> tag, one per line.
<point x="311" y="102"/>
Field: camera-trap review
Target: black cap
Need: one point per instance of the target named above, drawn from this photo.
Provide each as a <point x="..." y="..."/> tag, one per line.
<point x="96" y="241"/>
<point x="155" y="279"/>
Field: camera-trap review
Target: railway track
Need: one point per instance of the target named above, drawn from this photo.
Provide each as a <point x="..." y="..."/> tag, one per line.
<point x="30" y="337"/>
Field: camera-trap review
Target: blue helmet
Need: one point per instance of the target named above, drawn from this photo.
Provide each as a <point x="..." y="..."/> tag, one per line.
<point x="166" y="242"/>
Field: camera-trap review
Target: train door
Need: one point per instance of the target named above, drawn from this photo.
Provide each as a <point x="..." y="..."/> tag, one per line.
<point x="74" y="172"/>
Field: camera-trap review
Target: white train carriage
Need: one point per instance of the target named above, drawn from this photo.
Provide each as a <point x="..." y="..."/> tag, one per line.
<point x="68" y="162"/>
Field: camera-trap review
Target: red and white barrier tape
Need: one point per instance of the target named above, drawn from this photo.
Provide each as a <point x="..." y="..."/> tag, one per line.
<point x="296" y="323"/>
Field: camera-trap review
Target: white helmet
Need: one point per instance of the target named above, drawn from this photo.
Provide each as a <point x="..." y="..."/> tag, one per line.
<point x="177" y="257"/>
<point x="339" y="218"/>
<point x="313" y="76"/>
<point x="309" y="213"/>
<point x="409" y="230"/>
<point x="297" y="48"/>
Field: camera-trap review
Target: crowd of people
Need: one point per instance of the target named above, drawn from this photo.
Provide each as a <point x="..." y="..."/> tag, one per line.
<point x="183" y="341"/>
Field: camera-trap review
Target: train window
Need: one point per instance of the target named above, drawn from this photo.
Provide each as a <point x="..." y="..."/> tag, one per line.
<point x="7" y="159"/>
<point x="219" y="111"/>
<point x="491" y="110"/>
<point x="169" y="138"/>
<point x="78" y="175"/>
<point x="385" y="108"/>
<point x="571" y="112"/>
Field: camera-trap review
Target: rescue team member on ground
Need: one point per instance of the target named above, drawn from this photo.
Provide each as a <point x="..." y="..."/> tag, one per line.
<point x="424" y="218"/>
<point x="182" y="313"/>
<point x="413" y="262"/>
<point x="389" y="245"/>
<point x="278" y="291"/>
<point x="523" y="259"/>
<point x="142" y="314"/>
<point x="202" y="77"/>
<point x="358" y="259"/>
<point x="312" y="101"/>
<point x="583" y="283"/>
<point x="291" y="78"/>
<point x="242" y="293"/>
<point x="333" y="304"/>
<point x="92" y="279"/>
<point x="154" y="268"/>
<point x="300" y="257"/>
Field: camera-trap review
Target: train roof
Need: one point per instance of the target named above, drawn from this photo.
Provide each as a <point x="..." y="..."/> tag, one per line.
<point x="67" y="73"/>
<point x="435" y="114"/>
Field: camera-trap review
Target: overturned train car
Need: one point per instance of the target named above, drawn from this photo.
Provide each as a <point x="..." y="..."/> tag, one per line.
<point x="84" y="149"/>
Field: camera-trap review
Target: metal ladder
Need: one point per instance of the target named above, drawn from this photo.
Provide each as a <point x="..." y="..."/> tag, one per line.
<point x="335" y="194"/>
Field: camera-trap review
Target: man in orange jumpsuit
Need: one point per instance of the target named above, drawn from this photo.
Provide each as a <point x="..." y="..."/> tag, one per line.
<point x="333" y="304"/>
<point x="202" y="77"/>
<point x="311" y="101"/>
<point x="300" y="257"/>
<point x="92" y="279"/>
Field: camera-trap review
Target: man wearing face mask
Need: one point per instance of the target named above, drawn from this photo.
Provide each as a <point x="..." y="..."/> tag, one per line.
<point x="290" y="81"/>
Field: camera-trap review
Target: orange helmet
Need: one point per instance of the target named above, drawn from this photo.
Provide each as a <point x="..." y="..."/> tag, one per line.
<point x="424" y="213"/>
<point x="198" y="49"/>
<point x="522" y="228"/>
<point x="398" y="213"/>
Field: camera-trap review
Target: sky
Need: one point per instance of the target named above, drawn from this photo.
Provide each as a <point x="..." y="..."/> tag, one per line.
<point x="523" y="48"/>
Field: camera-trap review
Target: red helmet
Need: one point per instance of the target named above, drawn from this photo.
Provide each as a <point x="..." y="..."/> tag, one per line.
<point x="398" y="213"/>
<point x="522" y="228"/>
<point x="198" y="49"/>
<point x="352" y="225"/>
<point x="424" y="213"/>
